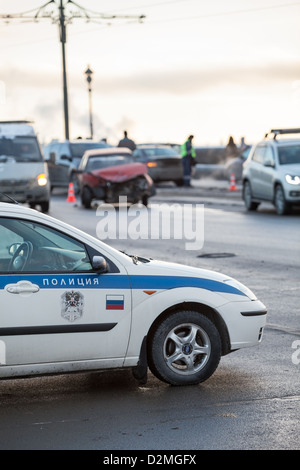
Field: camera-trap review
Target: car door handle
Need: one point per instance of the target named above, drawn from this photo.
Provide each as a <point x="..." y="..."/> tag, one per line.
<point x="22" y="287"/>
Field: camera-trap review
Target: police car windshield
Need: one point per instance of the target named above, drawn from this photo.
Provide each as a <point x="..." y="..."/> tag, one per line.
<point x="289" y="154"/>
<point x="20" y="149"/>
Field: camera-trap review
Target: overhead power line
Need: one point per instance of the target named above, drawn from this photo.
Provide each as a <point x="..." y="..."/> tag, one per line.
<point x="227" y="13"/>
<point x="62" y="13"/>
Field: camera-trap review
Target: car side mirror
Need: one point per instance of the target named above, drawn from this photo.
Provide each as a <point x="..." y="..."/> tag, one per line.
<point x="269" y="163"/>
<point x="99" y="264"/>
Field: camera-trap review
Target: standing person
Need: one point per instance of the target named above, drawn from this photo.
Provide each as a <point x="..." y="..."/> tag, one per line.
<point x="188" y="160"/>
<point x="126" y="142"/>
<point x="231" y="148"/>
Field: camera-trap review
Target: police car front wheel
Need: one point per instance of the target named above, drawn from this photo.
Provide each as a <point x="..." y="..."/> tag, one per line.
<point x="185" y="349"/>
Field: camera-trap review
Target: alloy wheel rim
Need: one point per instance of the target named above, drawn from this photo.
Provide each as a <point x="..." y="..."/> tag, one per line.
<point x="186" y="349"/>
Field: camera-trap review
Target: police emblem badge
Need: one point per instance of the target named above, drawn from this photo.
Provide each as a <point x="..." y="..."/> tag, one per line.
<point x="71" y="305"/>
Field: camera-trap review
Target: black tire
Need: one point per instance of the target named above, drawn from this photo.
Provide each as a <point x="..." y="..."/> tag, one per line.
<point x="179" y="182"/>
<point x="194" y="343"/>
<point x="247" y="197"/>
<point x="281" y="206"/>
<point x="86" y="197"/>
<point x="145" y="200"/>
<point x="45" y="205"/>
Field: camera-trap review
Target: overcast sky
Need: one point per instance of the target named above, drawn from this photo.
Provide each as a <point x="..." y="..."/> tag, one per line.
<point x="208" y="68"/>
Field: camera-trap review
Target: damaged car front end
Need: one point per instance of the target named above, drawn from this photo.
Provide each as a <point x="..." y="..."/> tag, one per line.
<point x="110" y="174"/>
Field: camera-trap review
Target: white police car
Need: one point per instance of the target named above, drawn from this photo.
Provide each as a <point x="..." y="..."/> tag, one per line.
<point x="71" y="303"/>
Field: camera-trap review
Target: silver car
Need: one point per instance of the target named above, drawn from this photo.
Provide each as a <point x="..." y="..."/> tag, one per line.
<point x="272" y="172"/>
<point x="23" y="171"/>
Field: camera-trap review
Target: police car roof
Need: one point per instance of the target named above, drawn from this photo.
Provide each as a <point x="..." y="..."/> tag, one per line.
<point x="12" y="206"/>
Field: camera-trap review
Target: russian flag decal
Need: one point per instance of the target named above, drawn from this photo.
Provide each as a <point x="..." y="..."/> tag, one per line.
<point x="115" y="302"/>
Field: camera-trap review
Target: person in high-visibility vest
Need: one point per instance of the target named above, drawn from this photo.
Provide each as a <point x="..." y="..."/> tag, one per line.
<point x="188" y="155"/>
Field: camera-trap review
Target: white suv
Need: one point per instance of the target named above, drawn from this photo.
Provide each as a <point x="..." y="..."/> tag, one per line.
<point x="272" y="172"/>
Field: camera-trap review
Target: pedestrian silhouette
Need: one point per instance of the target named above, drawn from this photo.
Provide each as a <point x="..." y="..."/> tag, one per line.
<point x="126" y="142"/>
<point x="188" y="155"/>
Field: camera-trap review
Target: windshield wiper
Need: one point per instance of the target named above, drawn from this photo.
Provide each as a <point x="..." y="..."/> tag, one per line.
<point x="136" y="259"/>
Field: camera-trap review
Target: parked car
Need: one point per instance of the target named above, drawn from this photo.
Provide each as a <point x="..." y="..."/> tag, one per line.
<point x="71" y="303"/>
<point x="23" y="171"/>
<point x="163" y="162"/>
<point x="107" y="174"/>
<point x="235" y="165"/>
<point x="272" y="172"/>
<point x="210" y="162"/>
<point x="63" y="159"/>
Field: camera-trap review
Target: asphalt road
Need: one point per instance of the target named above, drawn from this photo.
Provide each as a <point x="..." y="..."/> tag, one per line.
<point x="251" y="402"/>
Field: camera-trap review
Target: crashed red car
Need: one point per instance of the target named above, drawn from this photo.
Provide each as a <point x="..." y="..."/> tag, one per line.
<point x="106" y="174"/>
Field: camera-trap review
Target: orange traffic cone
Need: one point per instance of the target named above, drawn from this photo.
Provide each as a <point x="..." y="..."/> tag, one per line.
<point x="71" y="195"/>
<point x="232" y="186"/>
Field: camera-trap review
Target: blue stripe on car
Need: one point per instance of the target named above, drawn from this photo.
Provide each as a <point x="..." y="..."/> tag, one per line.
<point x="117" y="281"/>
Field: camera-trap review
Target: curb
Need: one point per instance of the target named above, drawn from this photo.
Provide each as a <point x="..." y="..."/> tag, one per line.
<point x="198" y="191"/>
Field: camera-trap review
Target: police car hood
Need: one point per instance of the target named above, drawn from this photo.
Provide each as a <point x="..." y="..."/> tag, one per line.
<point x="164" y="275"/>
<point x="163" y="268"/>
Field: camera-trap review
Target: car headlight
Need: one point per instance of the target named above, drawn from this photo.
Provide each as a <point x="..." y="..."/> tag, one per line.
<point x="41" y="179"/>
<point x="239" y="286"/>
<point x="292" y="179"/>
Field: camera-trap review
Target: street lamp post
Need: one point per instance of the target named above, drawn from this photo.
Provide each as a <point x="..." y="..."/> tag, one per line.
<point x="88" y="73"/>
<point x="63" y="40"/>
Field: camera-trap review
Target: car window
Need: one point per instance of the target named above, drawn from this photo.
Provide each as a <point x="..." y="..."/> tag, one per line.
<point x="30" y="247"/>
<point x="78" y="149"/>
<point x="7" y="239"/>
<point x="96" y="163"/>
<point x="21" y="149"/>
<point x="258" y="155"/>
<point x="137" y="154"/>
<point x="64" y="150"/>
<point x="83" y="162"/>
<point x="289" y="154"/>
<point x="245" y="153"/>
<point x="269" y="155"/>
<point x="52" y="148"/>
<point x="160" y="151"/>
<point x="141" y="156"/>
